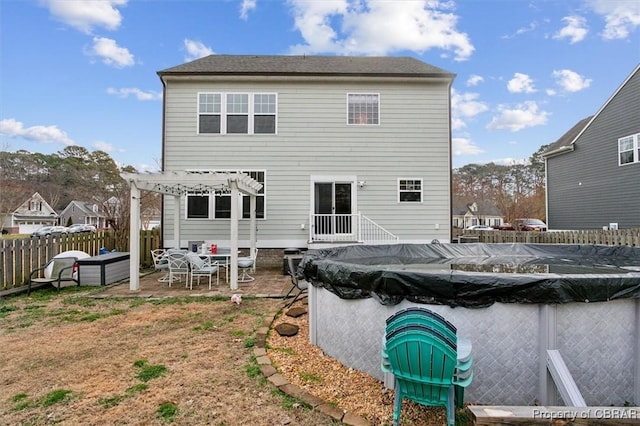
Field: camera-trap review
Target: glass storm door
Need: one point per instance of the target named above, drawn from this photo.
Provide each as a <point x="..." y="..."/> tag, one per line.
<point x="332" y="208"/>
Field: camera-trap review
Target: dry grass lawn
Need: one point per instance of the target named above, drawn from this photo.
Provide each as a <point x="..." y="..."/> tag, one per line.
<point x="70" y="359"/>
<point x="73" y="359"/>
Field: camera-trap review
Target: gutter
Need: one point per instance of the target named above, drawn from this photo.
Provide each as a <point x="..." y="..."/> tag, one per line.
<point x="559" y="151"/>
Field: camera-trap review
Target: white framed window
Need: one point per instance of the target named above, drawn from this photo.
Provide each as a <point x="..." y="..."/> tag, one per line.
<point x="237" y="113"/>
<point x="363" y="108"/>
<point x="218" y="206"/>
<point x="409" y="190"/>
<point x="629" y="149"/>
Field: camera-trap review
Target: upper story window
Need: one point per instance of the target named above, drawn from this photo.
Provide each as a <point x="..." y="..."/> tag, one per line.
<point x="410" y="190"/>
<point x="629" y="149"/>
<point x="237" y="113"/>
<point x="218" y="206"/>
<point x="35" y="206"/>
<point x="363" y="108"/>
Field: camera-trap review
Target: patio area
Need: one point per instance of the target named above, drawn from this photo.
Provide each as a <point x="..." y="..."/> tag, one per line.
<point x="269" y="282"/>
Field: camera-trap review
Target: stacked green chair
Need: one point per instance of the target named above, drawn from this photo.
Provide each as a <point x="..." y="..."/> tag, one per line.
<point x="432" y="323"/>
<point x="422" y="361"/>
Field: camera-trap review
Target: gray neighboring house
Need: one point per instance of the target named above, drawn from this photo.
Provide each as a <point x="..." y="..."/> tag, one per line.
<point x="83" y="212"/>
<point x="476" y="213"/>
<point x="349" y="149"/>
<point x="593" y="170"/>
<point x="32" y="215"/>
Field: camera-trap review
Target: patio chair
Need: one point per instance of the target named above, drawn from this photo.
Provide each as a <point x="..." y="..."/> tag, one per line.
<point x="62" y="269"/>
<point x="178" y="266"/>
<point x="463" y="374"/>
<point x="202" y="268"/>
<point x="301" y="285"/>
<point x="247" y="263"/>
<point x="423" y="365"/>
<point x="161" y="263"/>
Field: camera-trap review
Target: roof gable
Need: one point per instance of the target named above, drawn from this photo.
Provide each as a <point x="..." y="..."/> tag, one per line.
<point x="566" y="141"/>
<point x="43" y="208"/>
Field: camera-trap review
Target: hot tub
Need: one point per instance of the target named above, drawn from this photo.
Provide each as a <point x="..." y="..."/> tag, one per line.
<point x="514" y="301"/>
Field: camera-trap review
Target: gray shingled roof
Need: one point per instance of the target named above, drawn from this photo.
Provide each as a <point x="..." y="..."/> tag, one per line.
<point x="566" y="139"/>
<point x="308" y="65"/>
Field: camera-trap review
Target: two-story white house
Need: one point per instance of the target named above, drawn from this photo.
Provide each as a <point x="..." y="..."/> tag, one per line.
<point x="348" y="150"/>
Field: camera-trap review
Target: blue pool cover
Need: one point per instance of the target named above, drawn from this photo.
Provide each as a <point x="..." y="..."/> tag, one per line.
<point x="476" y="275"/>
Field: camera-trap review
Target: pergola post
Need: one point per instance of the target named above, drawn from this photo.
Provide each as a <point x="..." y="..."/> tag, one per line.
<point x="253" y="226"/>
<point x="233" y="185"/>
<point x="176" y="221"/>
<point x="134" y="239"/>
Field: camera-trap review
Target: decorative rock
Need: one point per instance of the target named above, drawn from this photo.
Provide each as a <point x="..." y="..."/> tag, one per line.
<point x="286" y="329"/>
<point x="296" y="312"/>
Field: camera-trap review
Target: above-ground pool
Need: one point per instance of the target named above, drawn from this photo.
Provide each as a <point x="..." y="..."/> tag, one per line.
<point x="514" y="301"/>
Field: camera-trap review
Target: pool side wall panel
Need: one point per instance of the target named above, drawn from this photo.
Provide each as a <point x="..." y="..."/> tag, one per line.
<point x="596" y="340"/>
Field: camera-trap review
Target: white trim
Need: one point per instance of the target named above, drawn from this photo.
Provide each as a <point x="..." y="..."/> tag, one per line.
<point x="421" y="190"/>
<point x="224" y="112"/>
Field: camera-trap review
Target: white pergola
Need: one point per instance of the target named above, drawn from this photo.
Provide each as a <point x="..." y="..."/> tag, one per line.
<point x="177" y="184"/>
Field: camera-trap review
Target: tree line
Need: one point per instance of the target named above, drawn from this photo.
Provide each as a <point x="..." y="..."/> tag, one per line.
<point x="72" y="174"/>
<point x="517" y="190"/>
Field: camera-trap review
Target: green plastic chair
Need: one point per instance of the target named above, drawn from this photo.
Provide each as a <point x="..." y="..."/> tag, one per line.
<point x="421" y="316"/>
<point x="423" y="364"/>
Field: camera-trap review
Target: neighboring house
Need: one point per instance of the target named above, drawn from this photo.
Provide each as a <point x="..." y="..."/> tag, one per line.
<point x="32" y="215"/>
<point x="348" y="149"/>
<point x="84" y="212"/>
<point x="150" y="218"/>
<point x="593" y="170"/>
<point x="468" y="214"/>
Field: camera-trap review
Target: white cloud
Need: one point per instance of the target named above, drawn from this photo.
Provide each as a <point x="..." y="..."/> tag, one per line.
<point x="465" y="105"/>
<point x="522" y="30"/>
<point x="111" y="53"/>
<point x="571" y="81"/>
<point x="575" y="29"/>
<point x="246" y="7"/>
<point x="521" y="83"/>
<point x="464" y="146"/>
<point x="621" y="17"/>
<point x="474" y="80"/>
<point x="522" y="116"/>
<point x="195" y="50"/>
<point x="103" y="146"/>
<point x="84" y="15"/>
<point x="378" y="27"/>
<point x="140" y="95"/>
<point x="47" y="134"/>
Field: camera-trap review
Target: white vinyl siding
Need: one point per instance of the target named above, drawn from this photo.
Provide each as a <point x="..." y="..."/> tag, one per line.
<point x="313" y="139"/>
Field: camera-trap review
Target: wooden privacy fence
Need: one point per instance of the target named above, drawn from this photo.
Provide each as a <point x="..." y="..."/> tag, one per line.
<point x="621" y="237"/>
<point x="18" y="257"/>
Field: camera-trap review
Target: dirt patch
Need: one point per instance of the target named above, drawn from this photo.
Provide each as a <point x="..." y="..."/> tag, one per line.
<point x="306" y="366"/>
<point x="68" y="359"/>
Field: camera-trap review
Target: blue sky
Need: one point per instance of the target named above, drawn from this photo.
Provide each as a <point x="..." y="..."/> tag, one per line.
<point x="81" y="72"/>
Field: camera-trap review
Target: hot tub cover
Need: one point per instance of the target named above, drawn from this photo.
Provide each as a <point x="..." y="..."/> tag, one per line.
<point x="456" y="274"/>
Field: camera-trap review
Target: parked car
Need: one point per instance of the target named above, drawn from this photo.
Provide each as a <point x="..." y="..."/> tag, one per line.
<point x="530" y="225"/>
<point x="506" y="227"/>
<point x="50" y="230"/>
<point x="81" y="227"/>
<point x="480" y="228"/>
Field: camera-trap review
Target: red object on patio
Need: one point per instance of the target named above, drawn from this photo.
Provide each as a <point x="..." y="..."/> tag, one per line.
<point x="214" y="248"/>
